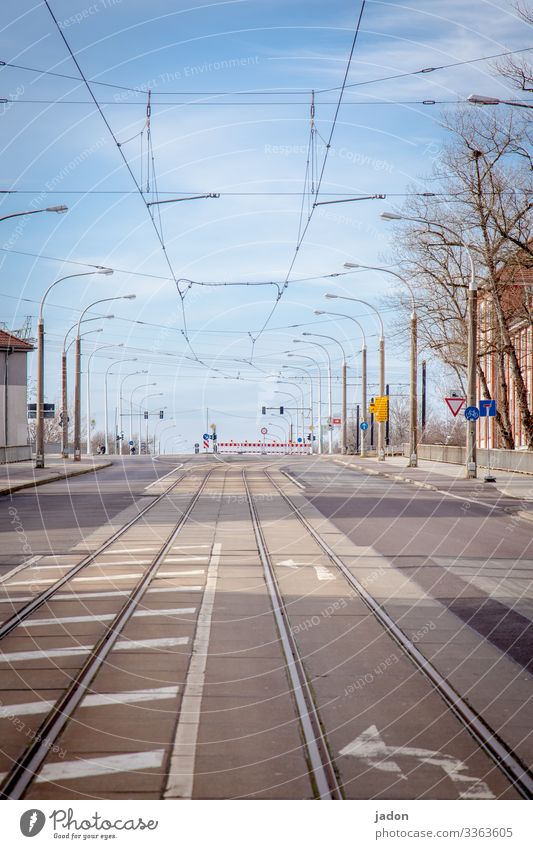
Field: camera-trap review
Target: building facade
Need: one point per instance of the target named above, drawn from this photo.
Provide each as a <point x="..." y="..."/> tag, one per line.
<point x="13" y="398"/>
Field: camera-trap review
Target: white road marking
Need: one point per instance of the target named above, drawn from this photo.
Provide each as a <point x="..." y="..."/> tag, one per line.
<point x="88" y="767"/>
<point x="183" y="756"/>
<point x="110" y="594"/>
<point x="292" y="564"/>
<point x="93" y="700"/>
<point x="187" y="558"/>
<point x="196" y="545"/>
<point x="180" y="574"/>
<point x="373" y="750"/>
<point x="38" y="580"/>
<point x="323" y="574"/>
<point x="103" y="617"/>
<point x="20" y="567"/>
<point x="122" y="645"/>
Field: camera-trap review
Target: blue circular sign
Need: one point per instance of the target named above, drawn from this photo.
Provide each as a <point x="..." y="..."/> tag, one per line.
<point x="299" y="439"/>
<point x="364" y="425"/>
<point x="131" y="442"/>
<point x="472" y="414"/>
<point x="206" y="436"/>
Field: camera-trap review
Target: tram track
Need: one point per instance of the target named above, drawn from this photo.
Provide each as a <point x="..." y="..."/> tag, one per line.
<point x="23" y="771"/>
<point x="507" y="761"/>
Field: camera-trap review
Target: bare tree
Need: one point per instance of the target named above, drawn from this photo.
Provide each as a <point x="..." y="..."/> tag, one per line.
<point x="486" y="186"/>
<point x="516" y="69"/>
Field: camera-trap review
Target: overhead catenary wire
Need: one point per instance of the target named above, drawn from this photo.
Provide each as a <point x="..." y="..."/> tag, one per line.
<point x="268" y="92"/>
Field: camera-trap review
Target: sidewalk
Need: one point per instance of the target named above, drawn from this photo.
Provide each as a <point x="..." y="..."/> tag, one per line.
<point x="512" y="491"/>
<point x="15" y="476"/>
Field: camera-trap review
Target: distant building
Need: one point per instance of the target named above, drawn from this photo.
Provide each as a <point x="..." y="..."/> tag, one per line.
<point x="518" y="306"/>
<point x="13" y="398"/>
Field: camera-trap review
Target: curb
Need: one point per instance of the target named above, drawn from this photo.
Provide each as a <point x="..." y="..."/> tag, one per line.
<point x="56" y="476"/>
<point x="526" y="515"/>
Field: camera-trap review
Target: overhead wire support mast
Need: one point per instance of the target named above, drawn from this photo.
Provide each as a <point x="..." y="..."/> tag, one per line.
<point x="303" y="232"/>
<point x="159" y="234"/>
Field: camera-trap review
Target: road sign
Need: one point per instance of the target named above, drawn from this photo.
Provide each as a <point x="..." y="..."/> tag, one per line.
<point x="472" y="414"/>
<point x="196" y="444"/>
<point x="364" y="425"/>
<point x="299" y="439"/>
<point x="131" y="442"/>
<point x="206" y="443"/>
<point x="487" y="407"/>
<point x="264" y="431"/>
<point x="455" y="404"/>
<point x="455" y="393"/>
<point x="336" y="421"/>
<point x="205" y="436"/>
<point x="380" y="408"/>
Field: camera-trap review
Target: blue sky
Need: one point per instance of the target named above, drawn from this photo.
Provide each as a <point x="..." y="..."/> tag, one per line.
<point x="249" y="145"/>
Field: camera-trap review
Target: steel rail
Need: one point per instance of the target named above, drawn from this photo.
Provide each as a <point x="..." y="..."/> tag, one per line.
<point x="319" y="760"/>
<point x="24" y="770"/>
<point x="11" y="623"/>
<point x="500" y="753"/>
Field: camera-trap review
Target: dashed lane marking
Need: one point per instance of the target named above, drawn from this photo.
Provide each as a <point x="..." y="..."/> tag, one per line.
<point x="93" y="700"/>
<point x="108" y="594"/>
<point x="104" y="617"/>
<point x="122" y="645"/>
<point x="89" y="767"/>
<point x="183" y="756"/>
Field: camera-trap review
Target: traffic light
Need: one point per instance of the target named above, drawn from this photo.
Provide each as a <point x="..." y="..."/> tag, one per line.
<point x="146" y="414"/>
<point x="161" y="414"/>
<point x="281" y="410"/>
<point x="263" y="411"/>
<point x="309" y="437"/>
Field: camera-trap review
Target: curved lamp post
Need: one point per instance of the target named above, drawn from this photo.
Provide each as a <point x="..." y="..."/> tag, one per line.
<point x="323" y="347"/>
<point x="319" y="373"/>
<point x="381" y="425"/>
<point x="343" y="378"/>
<point x="77" y="388"/>
<point x="106" y="420"/>
<point x="39" y="434"/>
<point x="413" y="424"/>
<point x="471" y="448"/>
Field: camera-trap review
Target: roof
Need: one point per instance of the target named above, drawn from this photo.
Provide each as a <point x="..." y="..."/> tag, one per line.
<point x="7" y="340"/>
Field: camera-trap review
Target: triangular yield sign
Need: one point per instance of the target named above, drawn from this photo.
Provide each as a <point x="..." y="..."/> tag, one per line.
<point x="455" y="404"/>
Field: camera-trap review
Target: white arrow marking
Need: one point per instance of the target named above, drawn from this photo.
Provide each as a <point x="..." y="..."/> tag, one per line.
<point x="374" y="751"/>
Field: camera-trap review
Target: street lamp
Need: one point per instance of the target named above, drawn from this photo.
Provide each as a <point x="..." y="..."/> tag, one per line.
<point x="413" y="424"/>
<point x="306" y="372"/>
<point x="133" y="391"/>
<point x="363" y="368"/>
<point x="330" y="434"/>
<point x="39" y="436"/>
<point x="77" y="387"/>
<point x="343" y="374"/>
<point x="381" y="429"/>
<point x="33" y="211"/>
<point x="64" y="393"/>
<point x="106" y="422"/>
<point x="483" y="100"/>
<point x="88" y="388"/>
<point x="302" y="398"/>
<point x="152" y="395"/>
<point x="121" y="384"/>
<point x="289" y="395"/>
<point x="319" y="373"/>
<point x="471" y="448"/>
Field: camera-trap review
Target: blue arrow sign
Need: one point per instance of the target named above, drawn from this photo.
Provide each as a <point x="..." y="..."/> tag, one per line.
<point x="472" y="414"/>
<point x="206" y="436"/>
<point x="364" y="425"/>
<point x="487" y="407"/>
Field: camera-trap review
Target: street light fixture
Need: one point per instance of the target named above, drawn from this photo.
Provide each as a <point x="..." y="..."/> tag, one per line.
<point x="413" y="424"/>
<point x="343" y="378"/>
<point x="484" y="100"/>
<point x="319" y="373"/>
<point x="152" y="395"/>
<point x="363" y="369"/>
<point x="306" y="372"/>
<point x="136" y="388"/>
<point x="121" y="384"/>
<point x="88" y="387"/>
<point x="33" y="211"/>
<point x="106" y="421"/>
<point x="381" y="428"/>
<point x="471" y="447"/>
<point x="330" y="433"/>
<point x="39" y="436"/>
<point x="77" y="387"/>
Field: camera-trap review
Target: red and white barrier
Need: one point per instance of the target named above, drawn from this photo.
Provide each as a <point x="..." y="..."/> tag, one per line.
<point x="264" y="448"/>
